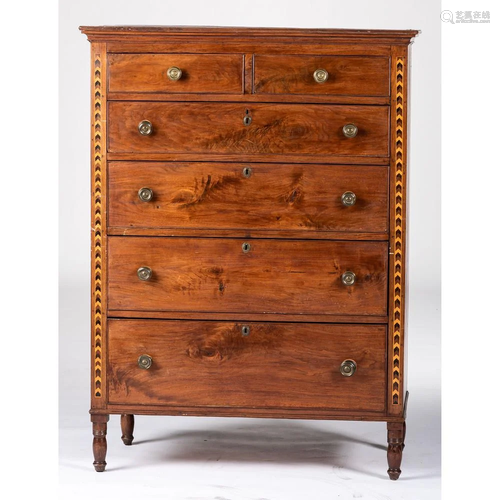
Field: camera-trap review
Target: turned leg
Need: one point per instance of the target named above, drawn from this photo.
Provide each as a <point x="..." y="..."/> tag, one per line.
<point x="396" y="439"/>
<point x="99" y="445"/>
<point x="127" y="422"/>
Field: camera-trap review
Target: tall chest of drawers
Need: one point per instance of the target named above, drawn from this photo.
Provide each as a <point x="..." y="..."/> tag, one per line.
<point x="249" y="225"/>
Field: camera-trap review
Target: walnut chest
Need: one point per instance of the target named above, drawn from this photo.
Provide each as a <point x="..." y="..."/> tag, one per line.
<point x="249" y="225"/>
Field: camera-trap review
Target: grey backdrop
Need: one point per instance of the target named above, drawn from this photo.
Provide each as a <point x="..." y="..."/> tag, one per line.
<point x="424" y="177"/>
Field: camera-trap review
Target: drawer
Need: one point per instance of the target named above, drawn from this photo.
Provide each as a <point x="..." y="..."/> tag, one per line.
<point x="313" y="129"/>
<point x="205" y="73"/>
<point x="265" y="365"/>
<point x="345" y="75"/>
<point x="228" y="275"/>
<point x="247" y="196"/>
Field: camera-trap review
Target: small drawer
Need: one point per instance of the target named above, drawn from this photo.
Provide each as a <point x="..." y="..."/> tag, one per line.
<point x="253" y="196"/>
<point x="323" y="75"/>
<point x="251" y="129"/>
<point x="226" y="275"/>
<point x="176" y="73"/>
<point x="280" y="365"/>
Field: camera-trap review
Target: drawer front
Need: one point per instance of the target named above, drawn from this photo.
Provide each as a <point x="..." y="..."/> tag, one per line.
<point x="266" y="365"/>
<point x="345" y="75"/>
<point x="248" y="196"/>
<point x="204" y="73"/>
<point x="226" y="276"/>
<point x="313" y="129"/>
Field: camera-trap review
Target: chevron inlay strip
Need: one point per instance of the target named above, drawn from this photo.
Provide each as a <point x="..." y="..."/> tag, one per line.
<point x="98" y="214"/>
<point x="398" y="234"/>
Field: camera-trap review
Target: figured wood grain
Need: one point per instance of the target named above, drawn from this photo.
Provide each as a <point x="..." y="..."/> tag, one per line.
<point x="212" y="274"/>
<point x="206" y="73"/>
<point x="284" y="74"/>
<point x="245" y="233"/>
<point x="280" y="365"/>
<point x="219" y="196"/>
<point x="275" y="128"/>
<point x="246" y="316"/>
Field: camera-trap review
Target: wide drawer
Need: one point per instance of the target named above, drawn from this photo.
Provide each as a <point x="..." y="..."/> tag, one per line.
<point x="251" y="365"/>
<point x="247" y="196"/>
<point x="334" y="75"/>
<point x="219" y="128"/>
<point x="205" y="73"/>
<point x="228" y="275"/>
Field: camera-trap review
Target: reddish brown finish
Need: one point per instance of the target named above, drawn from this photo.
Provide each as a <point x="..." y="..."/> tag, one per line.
<point x="127" y="425"/>
<point x="215" y="364"/>
<point x="99" y="444"/>
<point x="275" y="129"/>
<point x="288" y="286"/>
<point x="246" y="316"/>
<point x="363" y="76"/>
<point x="396" y="442"/>
<point x="280" y="276"/>
<point x="206" y="73"/>
<point x="219" y="196"/>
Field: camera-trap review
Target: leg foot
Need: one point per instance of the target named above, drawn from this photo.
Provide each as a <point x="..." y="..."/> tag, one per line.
<point x="99" y="445"/>
<point x="396" y="442"/>
<point x="127" y="423"/>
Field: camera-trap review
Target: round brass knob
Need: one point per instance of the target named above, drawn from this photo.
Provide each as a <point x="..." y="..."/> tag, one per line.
<point x="145" y="127"/>
<point x="174" y="73"/>
<point x="320" y="75"/>
<point x="144" y="273"/>
<point x="145" y="361"/>
<point x="348" y="278"/>
<point x="350" y="130"/>
<point x="145" y="194"/>
<point x="246" y="247"/>
<point x="348" y="368"/>
<point x="348" y="199"/>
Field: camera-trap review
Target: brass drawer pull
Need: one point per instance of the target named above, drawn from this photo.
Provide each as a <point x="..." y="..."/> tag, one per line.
<point x="348" y="199"/>
<point x="246" y="247"/>
<point x="320" y="75"/>
<point x="350" y="130"/>
<point x="145" y="194"/>
<point x="348" y="278"/>
<point x="348" y="368"/>
<point x="145" y="127"/>
<point x="145" y="361"/>
<point x="174" y="73"/>
<point x="144" y="273"/>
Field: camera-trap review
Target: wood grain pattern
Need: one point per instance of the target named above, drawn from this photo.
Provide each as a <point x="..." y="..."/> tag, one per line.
<point x="276" y="128"/>
<point x="247" y="316"/>
<point x="303" y="321"/>
<point x="396" y="432"/>
<point x="280" y="74"/>
<point x="266" y="196"/>
<point x="275" y="276"/>
<point x="127" y="425"/>
<point x="214" y="364"/>
<point x="207" y="73"/>
<point x="197" y="34"/>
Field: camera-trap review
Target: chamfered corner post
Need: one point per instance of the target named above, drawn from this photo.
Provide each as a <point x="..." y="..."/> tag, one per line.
<point x="127" y="424"/>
